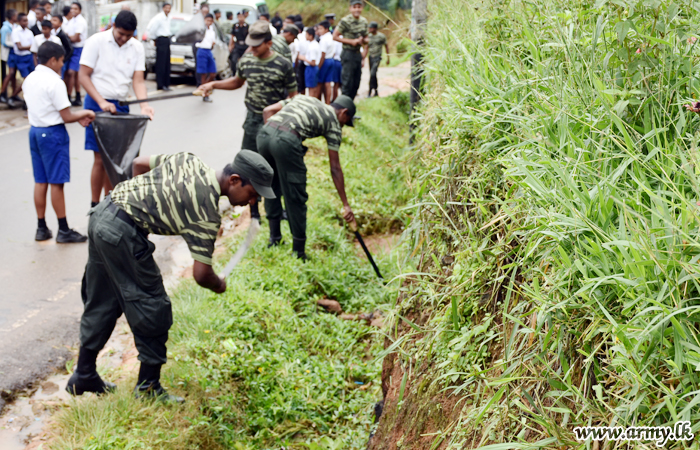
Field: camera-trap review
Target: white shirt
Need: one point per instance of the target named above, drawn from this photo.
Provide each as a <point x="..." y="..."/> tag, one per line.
<point x="31" y="17"/>
<point x="293" y="48"/>
<point x="45" y="94"/>
<point x="159" y="26"/>
<point x="67" y="27"/>
<point x="313" y="52"/>
<point x="327" y="45"/>
<point x="302" y="45"/>
<point x="338" y="50"/>
<point x="22" y="36"/>
<point x="113" y="66"/>
<point x="209" y="39"/>
<point x="273" y="30"/>
<point x="40" y="39"/>
<point x="78" y="25"/>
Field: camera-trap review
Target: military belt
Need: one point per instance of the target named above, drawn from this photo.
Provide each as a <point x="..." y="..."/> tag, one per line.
<point x="124" y="216"/>
<point x="278" y="126"/>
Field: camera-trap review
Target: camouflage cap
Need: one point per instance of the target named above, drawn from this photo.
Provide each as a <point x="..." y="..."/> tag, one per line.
<point x="345" y="102"/>
<point x="289" y="28"/>
<point x="258" y="32"/>
<point x="256" y="169"/>
<point x="357" y="2"/>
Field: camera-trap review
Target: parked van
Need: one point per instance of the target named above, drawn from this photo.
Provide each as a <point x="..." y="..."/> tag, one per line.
<point x="255" y="8"/>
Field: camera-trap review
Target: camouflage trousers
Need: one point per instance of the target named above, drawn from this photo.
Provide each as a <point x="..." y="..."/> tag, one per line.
<point x="285" y="153"/>
<point x="251" y="127"/>
<point x="121" y="276"/>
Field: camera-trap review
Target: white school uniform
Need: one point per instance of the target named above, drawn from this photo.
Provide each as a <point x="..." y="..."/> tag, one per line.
<point x="40" y="39"/>
<point x="22" y="36"/>
<point x="327" y="45"/>
<point x="45" y="95"/>
<point x="338" y="50"/>
<point x="112" y="66"/>
<point x="31" y="18"/>
<point x="209" y="39"/>
<point x="302" y="45"/>
<point x="79" y="26"/>
<point x="313" y="52"/>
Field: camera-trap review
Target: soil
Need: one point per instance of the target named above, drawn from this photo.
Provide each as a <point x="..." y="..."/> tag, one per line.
<point x="377" y="244"/>
<point x="26" y="422"/>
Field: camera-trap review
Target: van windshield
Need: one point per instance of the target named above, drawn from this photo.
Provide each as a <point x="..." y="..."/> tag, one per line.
<point x="253" y="14"/>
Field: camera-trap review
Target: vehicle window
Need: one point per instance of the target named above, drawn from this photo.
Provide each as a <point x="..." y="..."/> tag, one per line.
<point x="176" y="25"/>
<point x="253" y="14"/>
<point x="263" y="9"/>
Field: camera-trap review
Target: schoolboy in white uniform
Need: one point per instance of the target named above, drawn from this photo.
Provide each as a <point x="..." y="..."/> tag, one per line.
<point x="77" y="32"/>
<point x="43" y="37"/>
<point x="111" y="61"/>
<point x="327" y="63"/>
<point x="48" y="110"/>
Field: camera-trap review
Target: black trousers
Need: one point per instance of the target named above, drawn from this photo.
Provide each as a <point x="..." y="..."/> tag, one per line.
<point x="4" y="71"/>
<point x="301" y="81"/>
<point x="351" y="73"/>
<point x="162" y="62"/>
<point x="374" y="62"/>
<point x="236" y="54"/>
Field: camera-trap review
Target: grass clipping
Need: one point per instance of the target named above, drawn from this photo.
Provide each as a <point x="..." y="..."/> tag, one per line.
<point x="558" y="228"/>
<point x="261" y="366"/>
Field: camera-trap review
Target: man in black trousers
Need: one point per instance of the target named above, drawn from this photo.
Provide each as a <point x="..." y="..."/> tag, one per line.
<point x="159" y="31"/>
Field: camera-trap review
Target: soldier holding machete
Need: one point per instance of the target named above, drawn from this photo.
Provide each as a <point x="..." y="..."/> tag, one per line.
<point x="287" y="124"/>
<point x="169" y="195"/>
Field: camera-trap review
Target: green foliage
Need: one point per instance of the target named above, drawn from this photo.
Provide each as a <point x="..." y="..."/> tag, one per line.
<point x="562" y="180"/>
<point x="260" y="366"/>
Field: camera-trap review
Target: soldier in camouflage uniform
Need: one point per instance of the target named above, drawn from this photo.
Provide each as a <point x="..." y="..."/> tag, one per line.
<point x="270" y="79"/>
<point x="353" y="28"/>
<point x="288" y="124"/>
<point x="281" y="42"/>
<point x="377" y="41"/>
<point x="169" y="195"/>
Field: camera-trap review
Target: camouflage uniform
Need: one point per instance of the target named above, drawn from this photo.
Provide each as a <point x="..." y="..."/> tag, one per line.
<point x="179" y="196"/>
<point x="351" y="58"/>
<point x="376" y="46"/>
<point x="269" y="81"/>
<point x="280" y="143"/>
<point x="281" y="47"/>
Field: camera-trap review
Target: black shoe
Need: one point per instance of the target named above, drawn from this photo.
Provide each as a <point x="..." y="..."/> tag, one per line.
<point x="43" y="234"/>
<point x="284" y="215"/>
<point x="85" y="378"/>
<point x="12" y="104"/>
<point x="207" y="99"/>
<point x="166" y="89"/>
<point x="3" y="98"/>
<point x="70" y="237"/>
<point x="148" y="385"/>
<point x="79" y="384"/>
<point x="298" y="249"/>
<point x="77" y="102"/>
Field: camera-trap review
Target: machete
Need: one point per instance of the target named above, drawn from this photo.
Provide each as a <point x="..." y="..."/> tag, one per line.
<point x="160" y="97"/>
<point x="353" y="227"/>
<point x="240" y="253"/>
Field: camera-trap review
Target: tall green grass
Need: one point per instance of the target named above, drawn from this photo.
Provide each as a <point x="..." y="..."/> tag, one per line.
<point x="564" y="184"/>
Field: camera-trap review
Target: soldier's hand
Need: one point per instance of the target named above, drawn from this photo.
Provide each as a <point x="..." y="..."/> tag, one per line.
<point x="206" y="88"/>
<point x="222" y="286"/>
<point x="387" y="60"/>
<point x="348" y="215"/>
<point x="693" y="107"/>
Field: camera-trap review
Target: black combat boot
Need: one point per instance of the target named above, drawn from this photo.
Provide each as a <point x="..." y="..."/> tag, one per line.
<point x="255" y="211"/>
<point x="148" y="385"/>
<point x="85" y="378"/>
<point x="298" y="249"/>
<point x="275" y="232"/>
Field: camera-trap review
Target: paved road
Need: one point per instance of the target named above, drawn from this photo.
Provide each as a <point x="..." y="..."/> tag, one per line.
<point x="40" y="301"/>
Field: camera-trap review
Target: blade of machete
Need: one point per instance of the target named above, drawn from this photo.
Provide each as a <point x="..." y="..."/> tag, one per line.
<point x="253" y="230"/>
<point x="156" y="98"/>
<point x="369" y="255"/>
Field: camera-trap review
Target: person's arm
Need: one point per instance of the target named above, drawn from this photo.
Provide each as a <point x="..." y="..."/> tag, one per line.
<point x="205" y="276"/>
<point x="292" y="94"/>
<point x="323" y="59"/>
<point x="339" y="181"/>
<point x="386" y="46"/>
<point x="36" y="60"/>
<point x="231" y="44"/>
<point x="84" y="117"/>
<point x="141" y="165"/>
<point x="84" y="76"/>
<point x="272" y="110"/>
<point x="229" y="84"/>
<point x="139" y="81"/>
<point x="336" y="37"/>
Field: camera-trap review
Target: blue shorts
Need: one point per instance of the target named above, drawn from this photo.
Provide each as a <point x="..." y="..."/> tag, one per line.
<point x="74" y="64"/>
<point x="337" y="69"/>
<point x="325" y="73"/>
<point x="205" y="61"/>
<point x="311" y="76"/>
<point x="50" y="150"/>
<point x="90" y="141"/>
<point x="24" y="63"/>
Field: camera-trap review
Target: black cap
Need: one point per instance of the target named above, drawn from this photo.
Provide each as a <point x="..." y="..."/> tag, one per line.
<point x="255" y="168"/>
<point x="357" y="2"/>
<point x="345" y="102"/>
<point x="373" y="25"/>
<point x="330" y="16"/>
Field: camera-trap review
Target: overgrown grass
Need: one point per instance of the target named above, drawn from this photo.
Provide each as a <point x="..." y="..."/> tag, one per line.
<point x="561" y="192"/>
<point x="261" y="367"/>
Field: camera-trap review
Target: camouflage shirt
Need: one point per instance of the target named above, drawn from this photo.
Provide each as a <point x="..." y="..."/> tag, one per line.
<point x="351" y="28"/>
<point x="269" y="80"/>
<point x="280" y="46"/>
<point x="310" y="117"/>
<point x="376" y="44"/>
<point x="178" y="196"/>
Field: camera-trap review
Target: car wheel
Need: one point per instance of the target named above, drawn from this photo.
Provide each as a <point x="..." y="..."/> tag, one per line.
<point x="226" y="73"/>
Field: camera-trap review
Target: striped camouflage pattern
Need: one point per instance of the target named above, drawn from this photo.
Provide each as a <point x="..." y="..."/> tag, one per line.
<point x="280" y="46"/>
<point x="269" y="80"/>
<point x="351" y="28"/>
<point x="376" y="44"/>
<point x="311" y="118"/>
<point x="178" y="196"/>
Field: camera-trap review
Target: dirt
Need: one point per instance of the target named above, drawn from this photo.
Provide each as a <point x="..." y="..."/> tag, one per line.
<point x="26" y="422"/>
<point x="377" y="244"/>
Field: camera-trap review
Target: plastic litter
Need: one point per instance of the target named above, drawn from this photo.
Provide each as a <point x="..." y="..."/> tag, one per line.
<point x="119" y="138"/>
